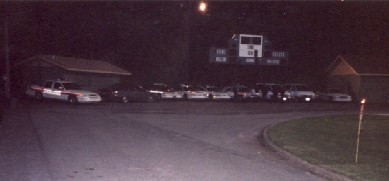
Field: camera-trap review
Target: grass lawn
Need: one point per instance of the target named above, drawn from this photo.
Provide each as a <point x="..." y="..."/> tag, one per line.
<point x="330" y="142"/>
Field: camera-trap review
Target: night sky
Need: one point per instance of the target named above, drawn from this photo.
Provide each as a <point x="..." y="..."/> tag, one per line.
<point x="168" y="41"/>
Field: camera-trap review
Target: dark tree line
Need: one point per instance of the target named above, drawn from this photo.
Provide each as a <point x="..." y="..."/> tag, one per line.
<point x="169" y="41"/>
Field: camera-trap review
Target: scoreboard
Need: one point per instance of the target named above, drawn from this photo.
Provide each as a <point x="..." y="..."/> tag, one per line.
<point x="247" y="49"/>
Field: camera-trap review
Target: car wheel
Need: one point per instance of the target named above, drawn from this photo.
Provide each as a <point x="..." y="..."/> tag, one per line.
<point x="332" y="99"/>
<point x="294" y="99"/>
<point x="238" y="99"/>
<point x="150" y="99"/>
<point x="38" y="96"/>
<point x="124" y="99"/>
<point x="72" y="99"/>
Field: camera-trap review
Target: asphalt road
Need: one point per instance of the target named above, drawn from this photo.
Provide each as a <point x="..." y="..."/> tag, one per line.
<point x="158" y="141"/>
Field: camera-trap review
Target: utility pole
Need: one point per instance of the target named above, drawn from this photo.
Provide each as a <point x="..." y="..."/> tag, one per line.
<point x="185" y="43"/>
<point x="7" y="64"/>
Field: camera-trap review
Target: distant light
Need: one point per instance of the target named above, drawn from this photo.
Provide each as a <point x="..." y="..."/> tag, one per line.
<point x="203" y="7"/>
<point x="363" y="101"/>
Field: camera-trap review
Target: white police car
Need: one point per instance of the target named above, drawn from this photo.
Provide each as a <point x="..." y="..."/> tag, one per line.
<point x="63" y="90"/>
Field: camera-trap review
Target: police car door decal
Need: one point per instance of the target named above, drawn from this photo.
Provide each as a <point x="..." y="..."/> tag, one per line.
<point x="52" y="92"/>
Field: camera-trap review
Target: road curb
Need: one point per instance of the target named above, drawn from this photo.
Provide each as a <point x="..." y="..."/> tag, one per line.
<point x="317" y="170"/>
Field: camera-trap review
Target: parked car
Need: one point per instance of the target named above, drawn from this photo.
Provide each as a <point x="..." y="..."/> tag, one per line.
<point x="157" y="89"/>
<point x="216" y="93"/>
<point x="266" y="91"/>
<point x="63" y="90"/>
<point x="241" y="93"/>
<point x="172" y="93"/>
<point x="196" y="92"/>
<point x="126" y="93"/>
<point x="187" y="92"/>
<point x="299" y="92"/>
<point x="334" y="95"/>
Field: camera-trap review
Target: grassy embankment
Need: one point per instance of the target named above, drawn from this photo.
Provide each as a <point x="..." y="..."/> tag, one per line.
<point x="330" y="142"/>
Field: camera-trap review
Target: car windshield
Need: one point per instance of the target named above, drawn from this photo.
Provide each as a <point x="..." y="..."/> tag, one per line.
<point x="244" y="89"/>
<point x="140" y="88"/>
<point x="181" y="88"/>
<point x="226" y="89"/>
<point x="170" y="89"/>
<point x="214" y="89"/>
<point x="196" y="88"/>
<point x="72" y="86"/>
<point x="160" y="87"/>
<point x="118" y="87"/>
<point x="335" y="91"/>
<point x="302" y="88"/>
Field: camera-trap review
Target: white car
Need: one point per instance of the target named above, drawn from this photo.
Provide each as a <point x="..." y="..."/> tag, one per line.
<point x="299" y="92"/>
<point x="183" y="91"/>
<point x="171" y="94"/>
<point x="334" y="95"/>
<point x="157" y="89"/>
<point x="175" y="92"/>
<point x="216" y="93"/>
<point x="62" y="90"/>
<point x="196" y="92"/>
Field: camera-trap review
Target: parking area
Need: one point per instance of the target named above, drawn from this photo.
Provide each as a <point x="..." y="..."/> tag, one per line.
<point x="166" y="140"/>
<point x="206" y="107"/>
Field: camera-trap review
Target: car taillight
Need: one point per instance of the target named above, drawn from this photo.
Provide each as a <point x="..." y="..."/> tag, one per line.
<point x="115" y="93"/>
<point x="78" y="94"/>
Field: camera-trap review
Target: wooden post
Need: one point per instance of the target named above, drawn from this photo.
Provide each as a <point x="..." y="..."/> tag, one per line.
<point x="359" y="128"/>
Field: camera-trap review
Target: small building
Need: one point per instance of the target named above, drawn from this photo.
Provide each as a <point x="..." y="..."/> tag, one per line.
<point x="361" y="77"/>
<point x="90" y="74"/>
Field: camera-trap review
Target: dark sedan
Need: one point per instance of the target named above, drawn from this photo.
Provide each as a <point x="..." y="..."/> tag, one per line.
<point x="126" y="93"/>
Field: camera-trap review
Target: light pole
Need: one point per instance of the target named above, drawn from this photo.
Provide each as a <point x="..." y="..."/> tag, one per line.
<point x="186" y="34"/>
<point x="7" y="64"/>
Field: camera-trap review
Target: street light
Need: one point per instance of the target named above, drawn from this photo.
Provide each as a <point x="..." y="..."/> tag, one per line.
<point x="203" y="7"/>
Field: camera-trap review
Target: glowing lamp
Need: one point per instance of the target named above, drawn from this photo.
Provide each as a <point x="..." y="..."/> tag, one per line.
<point x="203" y="6"/>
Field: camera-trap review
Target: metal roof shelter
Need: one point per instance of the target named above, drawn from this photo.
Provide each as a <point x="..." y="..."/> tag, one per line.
<point x="75" y="64"/>
<point x="90" y="74"/>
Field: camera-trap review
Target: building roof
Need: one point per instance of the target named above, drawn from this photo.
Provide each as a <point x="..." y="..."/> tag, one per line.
<point x="75" y="64"/>
<point x="360" y="65"/>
